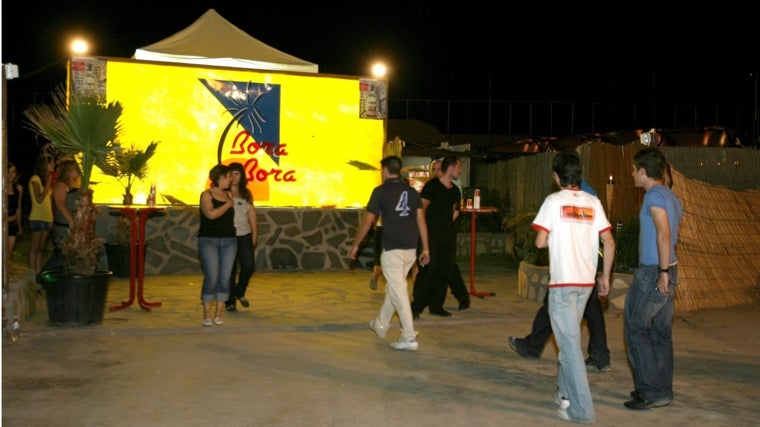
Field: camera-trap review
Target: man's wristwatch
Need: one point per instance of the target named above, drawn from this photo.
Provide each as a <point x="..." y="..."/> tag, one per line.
<point x="663" y="270"/>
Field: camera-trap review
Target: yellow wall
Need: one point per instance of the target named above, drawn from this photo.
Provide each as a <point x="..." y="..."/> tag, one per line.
<point x="326" y="144"/>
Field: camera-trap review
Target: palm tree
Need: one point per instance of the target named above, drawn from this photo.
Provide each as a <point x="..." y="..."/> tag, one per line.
<point x="87" y="128"/>
<point x="128" y="165"/>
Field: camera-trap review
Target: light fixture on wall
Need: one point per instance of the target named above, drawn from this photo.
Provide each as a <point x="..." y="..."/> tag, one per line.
<point x="647" y="138"/>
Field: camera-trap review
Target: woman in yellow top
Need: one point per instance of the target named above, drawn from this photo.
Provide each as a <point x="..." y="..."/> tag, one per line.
<point x="41" y="214"/>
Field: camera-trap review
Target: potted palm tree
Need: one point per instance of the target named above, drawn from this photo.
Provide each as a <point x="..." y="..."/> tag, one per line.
<point x="127" y="165"/>
<point x="87" y="128"/>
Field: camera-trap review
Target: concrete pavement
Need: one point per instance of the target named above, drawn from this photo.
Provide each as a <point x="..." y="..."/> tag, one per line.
<point x="302" y="354"/>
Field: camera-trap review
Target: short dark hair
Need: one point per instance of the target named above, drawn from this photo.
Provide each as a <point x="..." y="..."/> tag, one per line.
<point x="447" y="162"/>
<point x="568" y="167"/>
<point x="652" y="160"/>
<point x="217" y="172"/>
<point x="392" y="163"/>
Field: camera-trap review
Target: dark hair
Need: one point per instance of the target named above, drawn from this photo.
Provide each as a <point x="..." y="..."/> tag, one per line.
<point x="652" y="160"/>
<point x="447" y="162"/>
<point x="243" y="186"/>
<point x="392" y="163"/>
<point x="217" y="172"/>
<point x="40" y="168"/>
<point x="568" y="167"/>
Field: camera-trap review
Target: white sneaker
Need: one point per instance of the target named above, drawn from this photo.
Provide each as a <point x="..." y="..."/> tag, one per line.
<point x="412" y="345"/>
<point x="380" y="332"/>
<point x="562" y="402"/>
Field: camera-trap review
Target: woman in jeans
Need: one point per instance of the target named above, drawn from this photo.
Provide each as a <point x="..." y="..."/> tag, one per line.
<point x="217" y="244"/>
<point x="41" y="215"/>
<point x="247" y="233"/>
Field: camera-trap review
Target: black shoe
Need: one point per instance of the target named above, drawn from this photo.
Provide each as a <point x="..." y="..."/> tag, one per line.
<point x="464" y="305"/>
<point x="440" y="312"/>
<point x="639" y="404"/>
<point x="231" y="307"/>
<point x="590" y="363"/>
<point x="516" y="345"/>
<point x="244" y="302"/>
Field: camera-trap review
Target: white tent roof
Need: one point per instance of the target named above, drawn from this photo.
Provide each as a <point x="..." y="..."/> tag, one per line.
<point x="212" y="40"/>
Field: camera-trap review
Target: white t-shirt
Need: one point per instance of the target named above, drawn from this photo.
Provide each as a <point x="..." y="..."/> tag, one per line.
<point x="242" y="226"/>
<point x="574" y="221"/>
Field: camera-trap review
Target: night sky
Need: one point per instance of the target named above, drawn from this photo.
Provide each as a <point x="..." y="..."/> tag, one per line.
<point x="580" y="51"/>
<point x="565" y="50"/>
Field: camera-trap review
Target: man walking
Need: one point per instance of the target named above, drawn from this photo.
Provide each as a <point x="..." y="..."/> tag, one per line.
<point x="533" y="344"/>
<point x="440" y="199"/>
<point x="404" y="226"/>
<point x="647" y="325"/>
<point x="570" y="223"/>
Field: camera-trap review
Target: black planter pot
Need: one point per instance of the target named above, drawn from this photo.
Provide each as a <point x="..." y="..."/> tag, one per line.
<point x="75" y="300"/>
<point x="118" y="258"/>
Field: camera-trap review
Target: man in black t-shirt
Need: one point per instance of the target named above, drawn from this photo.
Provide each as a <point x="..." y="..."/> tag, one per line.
<point x="404" y="227"/>
<point x="440" y="199"/>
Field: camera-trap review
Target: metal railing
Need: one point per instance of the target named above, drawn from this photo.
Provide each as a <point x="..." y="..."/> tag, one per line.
<point x="547" y="118"/>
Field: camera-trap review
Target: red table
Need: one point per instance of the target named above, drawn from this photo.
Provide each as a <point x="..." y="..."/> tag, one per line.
<point x="473" y="253"/>
<point x="137" y="244"/>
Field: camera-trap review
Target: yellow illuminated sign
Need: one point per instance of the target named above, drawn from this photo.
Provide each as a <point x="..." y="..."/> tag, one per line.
<point x="300" y="136"/>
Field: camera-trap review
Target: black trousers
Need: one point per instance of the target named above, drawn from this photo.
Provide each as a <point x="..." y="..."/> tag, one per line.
<point x="433" y="281"/>
<point x="594" y="316"/>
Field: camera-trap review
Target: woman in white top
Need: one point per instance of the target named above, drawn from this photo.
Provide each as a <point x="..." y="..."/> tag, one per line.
<point x="247" y="234"/>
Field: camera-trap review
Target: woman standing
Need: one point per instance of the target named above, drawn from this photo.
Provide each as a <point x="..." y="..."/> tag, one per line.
<point x="247" y="234"/>
<point x="65" y="195"/>
<point x="13" y="191"/>
<point x="217" y="244"/>
<point x="41" y="214"/>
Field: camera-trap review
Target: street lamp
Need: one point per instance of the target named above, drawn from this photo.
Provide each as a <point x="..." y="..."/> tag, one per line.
<point x="79" y="46"/>
<point x="379" y="69"/>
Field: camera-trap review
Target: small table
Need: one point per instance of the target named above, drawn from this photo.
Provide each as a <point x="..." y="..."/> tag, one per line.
<point x="137" y="244"/>
<point x="473" y="249"/>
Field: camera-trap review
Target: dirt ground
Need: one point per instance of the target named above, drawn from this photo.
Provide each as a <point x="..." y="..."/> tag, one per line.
<point x="302" y="354"/>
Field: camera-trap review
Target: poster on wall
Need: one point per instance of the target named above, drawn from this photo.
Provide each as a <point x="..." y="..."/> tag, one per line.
<point x="299" y="135"/>
<point x="373" y="99"/>
<point x="88" y="76"/>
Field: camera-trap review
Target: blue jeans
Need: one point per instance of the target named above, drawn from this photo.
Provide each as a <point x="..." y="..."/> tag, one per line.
<point x="244" y="260"/>
<point x="566" y="307"/>
<point x="217" y="255"/>
<point x="647" y="328"/>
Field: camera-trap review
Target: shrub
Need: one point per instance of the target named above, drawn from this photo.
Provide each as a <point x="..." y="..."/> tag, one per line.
<point x="523" y="236"/>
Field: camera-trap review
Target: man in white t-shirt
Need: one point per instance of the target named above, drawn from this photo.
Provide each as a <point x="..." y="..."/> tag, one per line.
<point x="570" y="223"/>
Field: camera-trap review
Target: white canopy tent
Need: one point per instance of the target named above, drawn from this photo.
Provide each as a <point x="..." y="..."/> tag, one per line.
<point x="212" y="40"/>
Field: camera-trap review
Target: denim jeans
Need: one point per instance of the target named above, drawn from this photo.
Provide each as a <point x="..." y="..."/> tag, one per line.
<point x="396" y="265"/>
<point x="244" y="261"/>
<point x="594" y="315"/>
<point x="566" y="306"/>
<point x="647" y="328"/>
<point x="217" y="255"/>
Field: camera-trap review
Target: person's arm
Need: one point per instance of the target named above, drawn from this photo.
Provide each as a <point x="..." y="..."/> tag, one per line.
<point x="59" y="200"/>
<point x="662" y="227"/>
<point x="542" y="238"/>
<point x="207" y="205"/>
<point x="253" y="221"/>
<point x="422" y="226"/>
<point x="367" y="222"/>
<point x="39" y="192"/>
<point x="19" y="215"/>
<point x="607" y="262"/>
